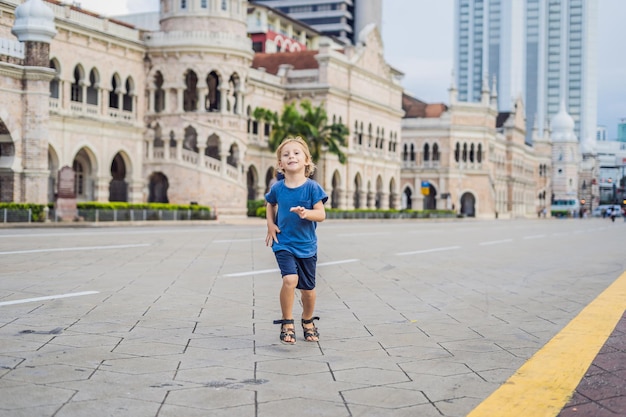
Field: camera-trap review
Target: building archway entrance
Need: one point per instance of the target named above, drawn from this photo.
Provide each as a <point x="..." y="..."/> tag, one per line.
<point x="158" y="188"/>
<point x="430" y="200"/>
<point x="468" y="205"/>
<point x="118" y="187"/>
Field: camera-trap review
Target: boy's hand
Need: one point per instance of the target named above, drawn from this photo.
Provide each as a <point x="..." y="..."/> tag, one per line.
<point x="272" y="235"/>
<point x="300" y="211"/>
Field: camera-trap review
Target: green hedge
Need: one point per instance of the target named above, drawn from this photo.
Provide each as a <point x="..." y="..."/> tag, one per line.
<point x="37" y="209"/>
<point x="379" y="214"/>
<point x="198" y="212"/>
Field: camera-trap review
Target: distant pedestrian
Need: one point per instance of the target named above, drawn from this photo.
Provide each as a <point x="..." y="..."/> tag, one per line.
<point x="294" y="207"/>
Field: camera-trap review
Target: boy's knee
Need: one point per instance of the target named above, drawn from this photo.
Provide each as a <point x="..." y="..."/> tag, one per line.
<point x="308" y="293"/>
<point x="290" y="280"/>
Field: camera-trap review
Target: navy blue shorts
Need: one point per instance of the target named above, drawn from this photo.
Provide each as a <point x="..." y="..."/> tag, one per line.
<point x="304" y="268"/>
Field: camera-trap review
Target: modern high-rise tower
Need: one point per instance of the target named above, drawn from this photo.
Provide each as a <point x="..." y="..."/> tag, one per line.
<point x="342" y="19"/>
<point x="543" y="50"/>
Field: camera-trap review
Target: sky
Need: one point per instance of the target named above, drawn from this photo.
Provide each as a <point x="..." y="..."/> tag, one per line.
<point x="419" y="41"/>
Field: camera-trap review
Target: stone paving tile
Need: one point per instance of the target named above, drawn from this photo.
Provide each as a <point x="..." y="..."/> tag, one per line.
<point x="109" y="407"/>
<point x="384" y="397"/>
<point x="304" y="407"/>
<point x="18" y="395"/>
<point x="170" y="410"/>
<point x="423" y="410"/>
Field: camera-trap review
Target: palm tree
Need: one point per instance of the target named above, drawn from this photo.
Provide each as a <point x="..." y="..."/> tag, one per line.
<point x="312" y="126"/>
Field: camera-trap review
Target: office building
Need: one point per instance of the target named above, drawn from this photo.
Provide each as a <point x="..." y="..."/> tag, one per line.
<point x="342" y="19"/>
<point x="542" y="51"/>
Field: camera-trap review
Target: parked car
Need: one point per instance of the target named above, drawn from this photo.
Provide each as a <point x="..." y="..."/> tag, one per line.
<point x="601" y="210"/>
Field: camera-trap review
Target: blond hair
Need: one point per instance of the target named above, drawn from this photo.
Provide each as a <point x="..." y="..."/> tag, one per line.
<point x="309" y="169"/>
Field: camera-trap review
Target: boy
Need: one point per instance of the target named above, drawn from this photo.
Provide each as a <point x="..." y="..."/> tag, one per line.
<point x="295" y="206"/>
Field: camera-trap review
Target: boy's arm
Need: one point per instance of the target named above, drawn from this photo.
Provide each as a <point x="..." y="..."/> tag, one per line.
<point x="272" y="228"/>
<point x="316" y="214"/>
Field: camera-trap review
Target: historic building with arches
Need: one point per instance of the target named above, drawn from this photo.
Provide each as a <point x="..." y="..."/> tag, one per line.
<point x="165" y="115"/>
<point x="472" y="159"/>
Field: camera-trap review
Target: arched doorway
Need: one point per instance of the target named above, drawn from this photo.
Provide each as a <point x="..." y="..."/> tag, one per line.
<point x="252" y="178"/>
<point x="335" y="195"/>
<point x="378" y="199"/>
<point x="430" y="200"/>
<point x="118" y="187"/>
<point x="468" y="205"/>
<point x="407" y="199"/>
<point x="84" y="179"/>
<point x="53" y="167"/>
<point x="357" y="191"/>
<point x="158" y="188"/>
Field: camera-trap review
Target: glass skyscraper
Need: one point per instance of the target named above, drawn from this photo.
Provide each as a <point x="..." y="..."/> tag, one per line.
<point x="543" y="50"/>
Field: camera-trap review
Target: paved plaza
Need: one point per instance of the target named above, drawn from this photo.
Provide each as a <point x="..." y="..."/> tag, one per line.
<point x="418" y="318"/>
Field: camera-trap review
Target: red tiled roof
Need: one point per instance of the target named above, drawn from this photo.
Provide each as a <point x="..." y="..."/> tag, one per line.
<point x="415" y="108"/>
<point x="299" y="60"/>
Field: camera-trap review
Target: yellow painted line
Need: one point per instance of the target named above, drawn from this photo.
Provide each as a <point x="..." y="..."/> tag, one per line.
<point x="546" y="382"/>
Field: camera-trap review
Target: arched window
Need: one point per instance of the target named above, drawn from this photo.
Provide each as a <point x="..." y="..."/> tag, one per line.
<point x="128" y="95"/>
<point x="190" y="95"/>
<point x="471" y="153"/>
<point x="213" y="147"/>
<point x="159" y="93"/>
<point x="224" y="5"/>
<point x="114" y="99"/>
<point x="77" y="88"/>
<point x="92" y="88"/>
<point x="457" y="151"/>
<point x="412" y="154"/>
<point x="405" y="152"/>
<point x="54" y="83"/>
<point x="479" y="153"/>
<point x="465" y="152"/>
<point x="436" y="152"/>
<point x="212" y="100"/>
<point x="183" y="4"/>
<point x="426" y="152"/>
<point x="204" y="4"/>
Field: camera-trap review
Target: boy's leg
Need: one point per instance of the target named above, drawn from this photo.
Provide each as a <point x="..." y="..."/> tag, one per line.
<point x="308" y="303"/>
<point x="308" y="308"/>
<point x="287" y="295"/>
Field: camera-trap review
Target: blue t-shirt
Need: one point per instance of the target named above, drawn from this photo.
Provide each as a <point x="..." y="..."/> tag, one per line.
<point x="296" y="235"/>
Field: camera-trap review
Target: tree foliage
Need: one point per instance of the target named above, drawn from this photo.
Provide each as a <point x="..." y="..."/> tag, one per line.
<point x="311" y="123"/>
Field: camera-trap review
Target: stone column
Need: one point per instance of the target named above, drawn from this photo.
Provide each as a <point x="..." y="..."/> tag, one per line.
<point x="151" y="108"/>
<point x="201" y="151"/>
<point x="179" y="148"/>
<point x="34" y="25"/>
<point x="223" y="97"/>
<point x="180" y="99"/>
<point x="384" y="201"/>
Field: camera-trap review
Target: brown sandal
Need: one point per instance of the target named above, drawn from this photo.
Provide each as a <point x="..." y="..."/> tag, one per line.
<point x="286" y="331"/>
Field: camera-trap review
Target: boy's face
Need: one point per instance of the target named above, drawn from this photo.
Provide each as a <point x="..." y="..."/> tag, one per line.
<point x="292" y="158"/>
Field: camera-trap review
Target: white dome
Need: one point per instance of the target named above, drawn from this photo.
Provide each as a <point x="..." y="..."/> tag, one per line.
<point x="562" y="121"/>
<point x="34" y="21"/>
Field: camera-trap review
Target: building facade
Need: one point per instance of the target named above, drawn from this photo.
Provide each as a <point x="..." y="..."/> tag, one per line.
<point x="473" y="159"/>
<point x="165" y="116"/>
<point x="541" y="51"/>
